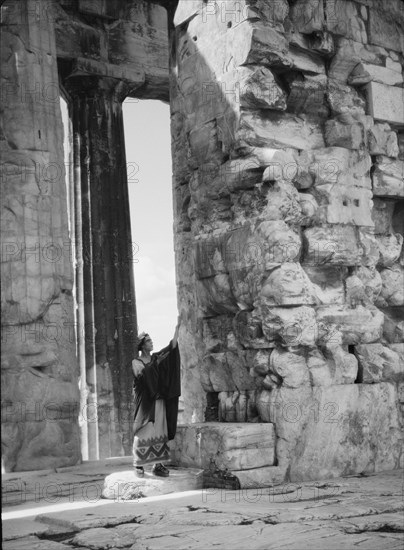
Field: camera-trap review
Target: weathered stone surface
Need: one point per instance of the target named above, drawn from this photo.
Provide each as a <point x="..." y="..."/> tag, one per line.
<point x="363" y="286"/>
<point x="256" y="88"/>
<point x="307" y="17"/>
<point x="247" y="247"/>
<point x="328" y="282"/>
<point x="392" y="293"/>
<point x="287" y="285"/>
<point x="350" y="135"/>
<point x="345" y="18"/>
<point x="294" y="326"/>
<point x="226" y="371"/>
<point x="38" y="343"/>
<point x="34" y="543"/>
<point x="364" y="73"/>
<point x="385" y="102"/>
<point x="260" y="130"/>
<point x="339" y="429"/>
<point x="238" y="406"/>
<point x="230" y="445"/>
<point x="390" y="249"/>
<point x="386" y="29"/>
<point x="344" y="100"/>
<point x="290" y="367"/>
<point x="382" y="141"/>
<point x="393" y="327"/>
<point x="382" y="215"/>
<point x="339" y="245"/>
<point x="333" y="165"/>
<point x="359" y="325"/>
<point x="378" y="363"/>
<point x="126" y="485"/>
<point x="388" y="178"/>
<point x="215" y="295"/>
<point x="349" y="53"/>
<point x="320" y="370"/>
<point x="343" y="204"/>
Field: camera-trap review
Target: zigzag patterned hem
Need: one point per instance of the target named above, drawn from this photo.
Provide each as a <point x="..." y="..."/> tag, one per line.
<point x="151" y="453"/>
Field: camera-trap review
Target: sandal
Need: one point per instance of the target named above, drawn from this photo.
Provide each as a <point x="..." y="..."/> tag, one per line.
<point x="160" y="470"/>
<point x="139" y="471"/>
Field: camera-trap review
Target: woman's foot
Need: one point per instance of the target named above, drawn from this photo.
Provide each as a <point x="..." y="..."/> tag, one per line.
<point x="160" y="470"/>
<point x="139" y="471"/>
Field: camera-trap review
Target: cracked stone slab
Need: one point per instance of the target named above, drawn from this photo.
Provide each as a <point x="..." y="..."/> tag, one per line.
<point x="34" y="543"/>
<point x="363" y="511"/>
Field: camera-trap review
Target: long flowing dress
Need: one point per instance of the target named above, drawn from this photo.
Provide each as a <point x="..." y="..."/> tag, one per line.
<point x="156" y="392"/>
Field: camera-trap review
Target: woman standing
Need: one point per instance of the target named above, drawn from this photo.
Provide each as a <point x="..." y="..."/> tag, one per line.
<point x="157" y="387"/>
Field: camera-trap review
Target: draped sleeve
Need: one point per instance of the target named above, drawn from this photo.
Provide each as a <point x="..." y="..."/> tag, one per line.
<point x="161" y="378"/>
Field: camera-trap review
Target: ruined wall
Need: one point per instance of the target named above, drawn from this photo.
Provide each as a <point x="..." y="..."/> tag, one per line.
<point x="288" y="151"/>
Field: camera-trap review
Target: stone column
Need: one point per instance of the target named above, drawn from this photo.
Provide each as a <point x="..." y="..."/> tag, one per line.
<point x="110" y="310"/>
<point x="39" y="366"/>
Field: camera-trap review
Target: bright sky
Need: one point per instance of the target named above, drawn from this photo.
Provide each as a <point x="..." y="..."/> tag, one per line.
<point x="148" y="156"/>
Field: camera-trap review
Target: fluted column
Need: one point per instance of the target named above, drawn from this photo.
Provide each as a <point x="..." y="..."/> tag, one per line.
<point x="38" y="364"/>
<point x="109" y="298"/>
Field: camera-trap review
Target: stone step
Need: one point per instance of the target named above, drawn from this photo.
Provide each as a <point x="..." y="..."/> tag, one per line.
<point x="231" y="445"/>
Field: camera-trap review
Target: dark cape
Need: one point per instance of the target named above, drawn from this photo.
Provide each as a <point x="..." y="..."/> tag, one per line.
<point x="161" y="378"/>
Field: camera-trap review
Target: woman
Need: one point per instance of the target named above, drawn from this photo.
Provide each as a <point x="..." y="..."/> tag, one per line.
<point x="157" y="387"/>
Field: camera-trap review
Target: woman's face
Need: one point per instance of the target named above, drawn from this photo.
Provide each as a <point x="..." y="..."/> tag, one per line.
<point x="148" y="344"/>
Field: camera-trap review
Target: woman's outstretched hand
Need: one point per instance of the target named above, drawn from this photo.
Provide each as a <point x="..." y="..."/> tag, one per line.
<point x="137" y="367"/>
<point x="177" y="329"/>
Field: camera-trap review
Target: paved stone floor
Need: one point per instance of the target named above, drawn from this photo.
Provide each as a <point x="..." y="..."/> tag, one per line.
<point x="358" y="512"/>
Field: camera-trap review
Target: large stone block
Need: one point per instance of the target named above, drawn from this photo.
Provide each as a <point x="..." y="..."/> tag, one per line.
<point x="349" y="53"/>
<point x="345" y="18"/>
<point x="393" y="327"/>
<point x="328" y="283"/>
<point x="363" y="286"/>
<point x="263" y="130"/>
<point x="392" y="293"/>
<point x="390" y="247"/>
<point x="333" y="165"/>
<point x="337" y="430"/>
<point x="248" y="330"/>
<point x="385" y="103"/>
<point x="382" y="141"/>
<point x="378" y="363"/>
<point x="230" y="445"/>
<point x="341" y="134"/>
<point x="364" y="73"/>
<point x="359" y="325"/>
<point x="388" y="178"/>
<point x="386" y="27"/>
<point x="343" y="204"/>
<point x="290" y="367"/>
<point x="287" y="285"/>
<point x="307" y="17"/>
<point x="282" y="202"/>
<point x="292" y="326"/>
<point x="227" y="371"/>
<point x="336" y="245"/>
<point x="215" y="295"/>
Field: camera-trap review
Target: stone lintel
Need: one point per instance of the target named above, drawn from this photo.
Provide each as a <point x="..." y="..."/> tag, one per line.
<point x="89" y="67"/>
